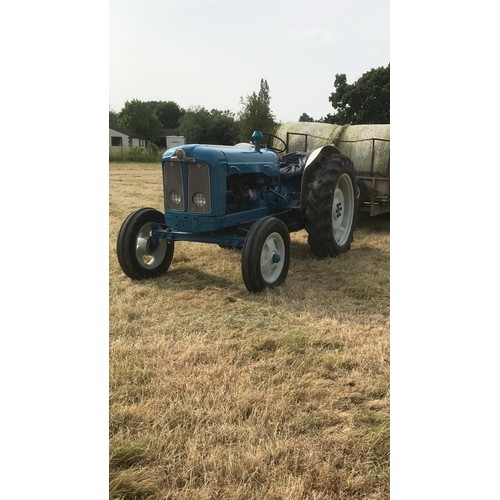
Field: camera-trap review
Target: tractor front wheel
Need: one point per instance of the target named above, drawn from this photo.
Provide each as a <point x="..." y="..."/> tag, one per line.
<point x="140" y="254"/>
<point x="266" y="254"/>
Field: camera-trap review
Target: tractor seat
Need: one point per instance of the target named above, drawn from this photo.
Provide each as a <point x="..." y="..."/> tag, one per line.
<point x="293" y="164"/>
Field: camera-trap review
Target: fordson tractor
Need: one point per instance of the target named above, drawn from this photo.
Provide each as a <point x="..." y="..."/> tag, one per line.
<point x="244" y="197"/>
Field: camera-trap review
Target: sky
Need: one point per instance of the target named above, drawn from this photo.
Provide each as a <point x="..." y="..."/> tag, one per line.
<point x="212" y="53"/>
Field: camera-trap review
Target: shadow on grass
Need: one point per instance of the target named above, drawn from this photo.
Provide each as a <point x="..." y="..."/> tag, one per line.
<point x="360" y="276"/>
<point x="378" y="223"/>
<point x="359" y="273"/>
<point x="357" y="260"/>
<point x="301" y="250"/>
<point x="189" y="278"/>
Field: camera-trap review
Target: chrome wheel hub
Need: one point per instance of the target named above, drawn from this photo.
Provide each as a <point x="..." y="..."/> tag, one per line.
<point x="148" y="250"/>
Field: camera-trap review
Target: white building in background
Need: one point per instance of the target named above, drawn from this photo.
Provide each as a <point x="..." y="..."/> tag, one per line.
<point x="121" y="139"/>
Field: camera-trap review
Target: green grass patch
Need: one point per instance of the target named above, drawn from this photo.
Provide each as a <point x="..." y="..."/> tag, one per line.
<point x="125" y="452"/>
<point x="150" y="154"/>
<point x="133" y="485"/>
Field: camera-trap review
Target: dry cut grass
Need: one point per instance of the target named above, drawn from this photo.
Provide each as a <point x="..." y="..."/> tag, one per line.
<point x="216" y="393"/>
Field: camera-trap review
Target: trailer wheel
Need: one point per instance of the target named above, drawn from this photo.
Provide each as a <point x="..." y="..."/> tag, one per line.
<point x="266" y="254"/>
<point x="138" y="254"/>
<point x="331" y="207"/>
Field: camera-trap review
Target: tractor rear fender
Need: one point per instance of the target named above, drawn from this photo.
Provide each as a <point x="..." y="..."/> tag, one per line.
<point x="313" y="161"/>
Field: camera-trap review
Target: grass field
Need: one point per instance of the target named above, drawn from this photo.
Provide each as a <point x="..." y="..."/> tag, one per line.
<point x="216" y="393"/>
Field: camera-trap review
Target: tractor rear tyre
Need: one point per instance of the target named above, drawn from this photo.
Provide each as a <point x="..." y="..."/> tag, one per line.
<point x="139" y="255"/>
<point x="266" y="254"/>
<point x="331" y="207"/>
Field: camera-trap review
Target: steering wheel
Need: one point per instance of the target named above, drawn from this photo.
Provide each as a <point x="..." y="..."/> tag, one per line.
<point x="267" y="141"/>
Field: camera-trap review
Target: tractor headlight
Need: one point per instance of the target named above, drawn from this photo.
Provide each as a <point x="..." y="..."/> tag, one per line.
<point x="199" y="200"/>
<point x="175" y="197"/>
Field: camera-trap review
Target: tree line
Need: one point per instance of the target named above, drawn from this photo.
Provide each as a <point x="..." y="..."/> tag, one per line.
<point x="365" y="101"/>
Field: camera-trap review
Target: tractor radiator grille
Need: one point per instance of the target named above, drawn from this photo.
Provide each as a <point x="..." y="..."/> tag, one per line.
<point x="173" y="186"/>
<point x="187" y="187"/>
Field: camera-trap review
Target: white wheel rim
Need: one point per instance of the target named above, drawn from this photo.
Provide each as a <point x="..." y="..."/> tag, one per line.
<point x="272" y="257"/>
<point x="148" y="255"/>
<point x="343" y="209"/>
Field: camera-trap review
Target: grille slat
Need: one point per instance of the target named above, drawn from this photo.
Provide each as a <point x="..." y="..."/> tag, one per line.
<point x="199" y="182"/>
<point x="172" y="181"/>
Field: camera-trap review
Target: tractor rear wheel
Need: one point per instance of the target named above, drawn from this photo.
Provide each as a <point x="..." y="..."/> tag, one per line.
<point x="331" y="207"/>
<point x="266" y="254"/>
<point x="139" y="254"/>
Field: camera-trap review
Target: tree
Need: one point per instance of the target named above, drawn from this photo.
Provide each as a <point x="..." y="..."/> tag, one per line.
<point x="113" y="119"/>
<point x="223" y="126"/>
<point x="256" y="113"/>
<point x="138" y="117"/>
<point x="201" y="126"/>
<point x="304" y="117"/>
<point x="167" y="112"/>
<point x="365" y="101"/>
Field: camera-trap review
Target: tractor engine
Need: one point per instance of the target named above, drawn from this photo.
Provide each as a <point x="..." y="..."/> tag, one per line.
<point x="245" y="192"/>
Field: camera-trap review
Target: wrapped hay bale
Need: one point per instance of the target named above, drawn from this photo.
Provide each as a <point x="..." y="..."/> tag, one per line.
<point x="368" y="147"/>
<point x="318" y="134"/>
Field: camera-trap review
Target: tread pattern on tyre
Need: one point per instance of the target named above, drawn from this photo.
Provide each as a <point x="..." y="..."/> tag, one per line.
<point x="318" y="215"/>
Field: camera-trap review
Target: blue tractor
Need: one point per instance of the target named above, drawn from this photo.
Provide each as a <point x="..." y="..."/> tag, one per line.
<point x="249" y="197"/>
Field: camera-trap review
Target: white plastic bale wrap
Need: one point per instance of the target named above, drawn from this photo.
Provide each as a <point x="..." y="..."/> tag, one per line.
<point x="369" y="156"/>
<point x="360" y="153"/>
<point x="318" y="134"/>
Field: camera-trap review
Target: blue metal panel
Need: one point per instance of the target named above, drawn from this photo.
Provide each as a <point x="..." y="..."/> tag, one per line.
<point x="249" y="162"/>
<point x="234" y="160"/>
<point x="205" y="223"/>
